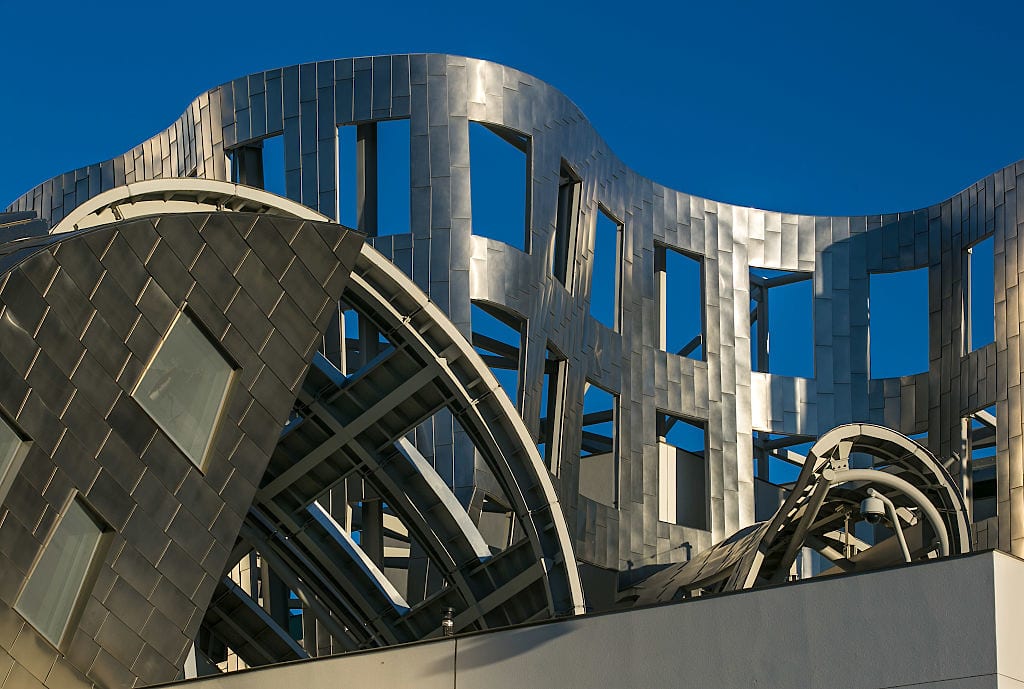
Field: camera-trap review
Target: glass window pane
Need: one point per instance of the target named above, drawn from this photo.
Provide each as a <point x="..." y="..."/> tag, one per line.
<point x="50" y="594"/>
<point x="184" y="387"/>
<point x="9" y="444"/>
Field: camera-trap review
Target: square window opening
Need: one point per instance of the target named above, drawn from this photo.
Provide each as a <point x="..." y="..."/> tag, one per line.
<point x="598" y="471"/>
<point x="184" y="387"/>
<point x="779" y="457"/>
<point x="258" y="164"/>
<point x="679" y="286"/>
<point x="683" y="491"/>
<point x="781" y="322"/>
<point x="499" y="167"/>
<point x="55" y="591"/>
<point x="606" y="270"/>
<point x="898" y="323"/>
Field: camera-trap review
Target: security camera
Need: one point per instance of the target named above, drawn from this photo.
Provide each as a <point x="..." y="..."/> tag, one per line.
<point x="872" y="509"/>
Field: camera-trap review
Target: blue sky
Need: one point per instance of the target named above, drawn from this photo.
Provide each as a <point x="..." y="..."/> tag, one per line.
<point x="808" y="107"/>
<point x="831" y="108"/>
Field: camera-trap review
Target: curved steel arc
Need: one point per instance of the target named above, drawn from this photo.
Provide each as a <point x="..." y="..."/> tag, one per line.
<point x="880" y="477"/>
<point x="186" y="195"/>
<point x="483" y="411"/>
<point x="357" y="425"/>
<point x="765" y="552"/>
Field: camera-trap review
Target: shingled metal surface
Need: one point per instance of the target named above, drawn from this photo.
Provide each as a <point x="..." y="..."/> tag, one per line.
<point x="81" y="316"/>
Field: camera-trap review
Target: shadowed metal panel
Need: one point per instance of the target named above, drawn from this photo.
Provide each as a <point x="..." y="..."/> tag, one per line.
<point x="83" y="314"/>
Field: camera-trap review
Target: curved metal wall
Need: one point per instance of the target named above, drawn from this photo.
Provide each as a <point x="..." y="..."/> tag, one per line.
<point x="82" y="315"/>
<point x="441" y="94"/>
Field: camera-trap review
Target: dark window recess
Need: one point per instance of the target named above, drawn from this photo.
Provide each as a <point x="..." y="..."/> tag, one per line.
<point x="499" y="183"/>
<point x="981" y="446"/>
<point x="551" y="396"/>
<point x="682" y="477"/>
<point x="781" y="324"/>
<point x="497" y="524"/>
<point x="606" y="274"/>
<point x="599" y="446"/>
<point x="898" y="327"/>
<point x="566" y="223"/>
<point x="497" y="338"/>
<point x="680" y="293"/>
<point x="979" y="297"/>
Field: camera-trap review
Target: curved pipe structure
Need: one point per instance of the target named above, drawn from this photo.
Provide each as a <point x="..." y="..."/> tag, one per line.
<point x="818" y="513"/>
<point x="917" y="497"/>
<point x="191" y="195"/>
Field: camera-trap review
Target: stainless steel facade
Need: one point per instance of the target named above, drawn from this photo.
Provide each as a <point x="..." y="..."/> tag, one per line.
<point x="440" y="95"/>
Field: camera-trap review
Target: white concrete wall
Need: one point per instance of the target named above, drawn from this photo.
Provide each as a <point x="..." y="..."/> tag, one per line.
<point x="934" y="625"/>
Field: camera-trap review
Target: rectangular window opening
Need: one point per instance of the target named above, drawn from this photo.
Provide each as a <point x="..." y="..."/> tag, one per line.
<point x="273" y="165"/>
<point x="499" y="162"/>
<point x="184" y="387"/>
<point x="497" y="337"/>
<point x="979" y="296"/>
<point x="570" y="189"/>
<point x="683" y="491"/>
<point x="347" y="174"/>
<point x="981" y="454"/>
<point x="606" y="270"/>
<point x="598" y="475"/>
<point x="781" y="322"/>
<point x="898" y="323"/>
<point x="680" y="292"/>
<point x="551" y="395"/>
<point x="54" y="593"/>
<point x="393" y="177"/>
